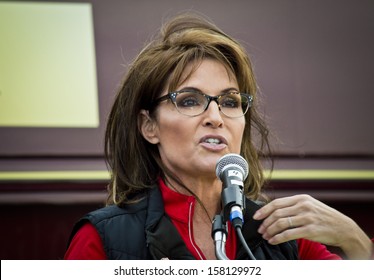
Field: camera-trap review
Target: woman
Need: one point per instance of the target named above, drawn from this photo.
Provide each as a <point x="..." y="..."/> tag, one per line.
<point x="188" y="99"/>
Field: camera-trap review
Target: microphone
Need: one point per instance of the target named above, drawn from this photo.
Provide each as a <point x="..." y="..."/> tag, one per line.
<point x="232" y="170"/>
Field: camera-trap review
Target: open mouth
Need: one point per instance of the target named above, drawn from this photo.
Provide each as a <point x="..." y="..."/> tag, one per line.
<point x="213" y="141"/>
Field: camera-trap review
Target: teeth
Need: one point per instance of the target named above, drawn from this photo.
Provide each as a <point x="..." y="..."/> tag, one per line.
<point x="212" y="141"/>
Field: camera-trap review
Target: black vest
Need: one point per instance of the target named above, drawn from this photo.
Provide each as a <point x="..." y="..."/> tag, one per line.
<point x="142" y="231"/>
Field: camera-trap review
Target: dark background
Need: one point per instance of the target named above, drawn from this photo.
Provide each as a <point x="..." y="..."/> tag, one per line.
<point x="313" y="61"/>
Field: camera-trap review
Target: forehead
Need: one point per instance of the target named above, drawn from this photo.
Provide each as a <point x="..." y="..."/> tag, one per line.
<point x="207" y="73"/>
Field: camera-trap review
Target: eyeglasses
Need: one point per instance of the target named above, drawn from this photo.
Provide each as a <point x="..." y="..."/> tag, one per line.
<point x="192" y="103"/>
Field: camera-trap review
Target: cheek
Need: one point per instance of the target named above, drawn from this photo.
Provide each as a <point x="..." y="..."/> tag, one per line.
<point x="175" y="144"/>
<point x="238" y="136"/>
<point x="172" y="132"/>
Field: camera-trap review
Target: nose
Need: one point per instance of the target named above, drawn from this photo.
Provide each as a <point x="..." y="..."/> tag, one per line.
<point x="212" y="115"/>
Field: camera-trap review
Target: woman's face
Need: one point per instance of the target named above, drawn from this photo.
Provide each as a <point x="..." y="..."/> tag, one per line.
<point x="191" y="146"/>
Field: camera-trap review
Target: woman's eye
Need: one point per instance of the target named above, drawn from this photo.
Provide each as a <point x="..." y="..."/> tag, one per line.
<point x="230" y="103"/>
<point x="188" y="99"/>
<point x="188" y="102"/>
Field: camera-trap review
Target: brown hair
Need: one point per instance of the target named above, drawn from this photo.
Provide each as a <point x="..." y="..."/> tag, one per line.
<point x="135" y="163"/>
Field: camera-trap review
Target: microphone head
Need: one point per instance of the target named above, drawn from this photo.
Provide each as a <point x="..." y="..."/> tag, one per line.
<point x="230" y="160"/>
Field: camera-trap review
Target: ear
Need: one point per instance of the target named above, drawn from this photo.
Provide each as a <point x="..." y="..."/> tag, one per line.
<point x="148" y="127"/>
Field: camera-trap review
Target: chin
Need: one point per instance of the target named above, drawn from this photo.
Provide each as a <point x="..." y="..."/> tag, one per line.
<point x="208" y="163"/>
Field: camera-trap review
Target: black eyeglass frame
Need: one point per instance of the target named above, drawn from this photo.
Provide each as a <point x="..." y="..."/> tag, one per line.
<point x="173" y="97"/>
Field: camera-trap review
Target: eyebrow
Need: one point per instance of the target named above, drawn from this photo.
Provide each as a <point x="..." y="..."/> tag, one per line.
<point x="194" y="89"/>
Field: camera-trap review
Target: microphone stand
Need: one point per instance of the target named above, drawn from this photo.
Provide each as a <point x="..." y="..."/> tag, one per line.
<point x="219" y="234"/>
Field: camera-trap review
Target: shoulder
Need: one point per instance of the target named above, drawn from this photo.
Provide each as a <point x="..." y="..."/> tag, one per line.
<point x="112" y="212"/>
<point x="129" y="210"/>
<point x="114" y="232"/>
<point x="86" y="245"/>
<point x="111" y="220"/>
<point x="116" y="221"/>
<point x="122" y="229"/>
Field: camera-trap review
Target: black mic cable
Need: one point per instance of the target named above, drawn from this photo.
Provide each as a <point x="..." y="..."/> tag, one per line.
<point x="237" y="224"/>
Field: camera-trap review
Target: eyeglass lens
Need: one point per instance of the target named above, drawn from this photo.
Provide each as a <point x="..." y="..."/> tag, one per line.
<point x="232" y="104"/>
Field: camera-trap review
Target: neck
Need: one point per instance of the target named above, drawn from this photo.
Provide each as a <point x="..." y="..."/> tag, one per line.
<point x="208" y="192"/>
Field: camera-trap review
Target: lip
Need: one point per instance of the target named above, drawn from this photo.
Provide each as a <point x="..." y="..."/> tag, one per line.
<point x="214" y="147"/>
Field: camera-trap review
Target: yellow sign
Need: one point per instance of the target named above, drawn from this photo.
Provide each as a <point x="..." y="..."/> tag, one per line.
<point x="47" y="65"/>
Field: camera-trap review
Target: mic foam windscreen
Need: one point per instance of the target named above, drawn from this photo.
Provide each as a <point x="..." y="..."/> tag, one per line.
<point x="229" y="160"/>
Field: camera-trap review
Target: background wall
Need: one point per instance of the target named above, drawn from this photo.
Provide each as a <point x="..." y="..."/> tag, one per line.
<point x="313" y="62"/>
